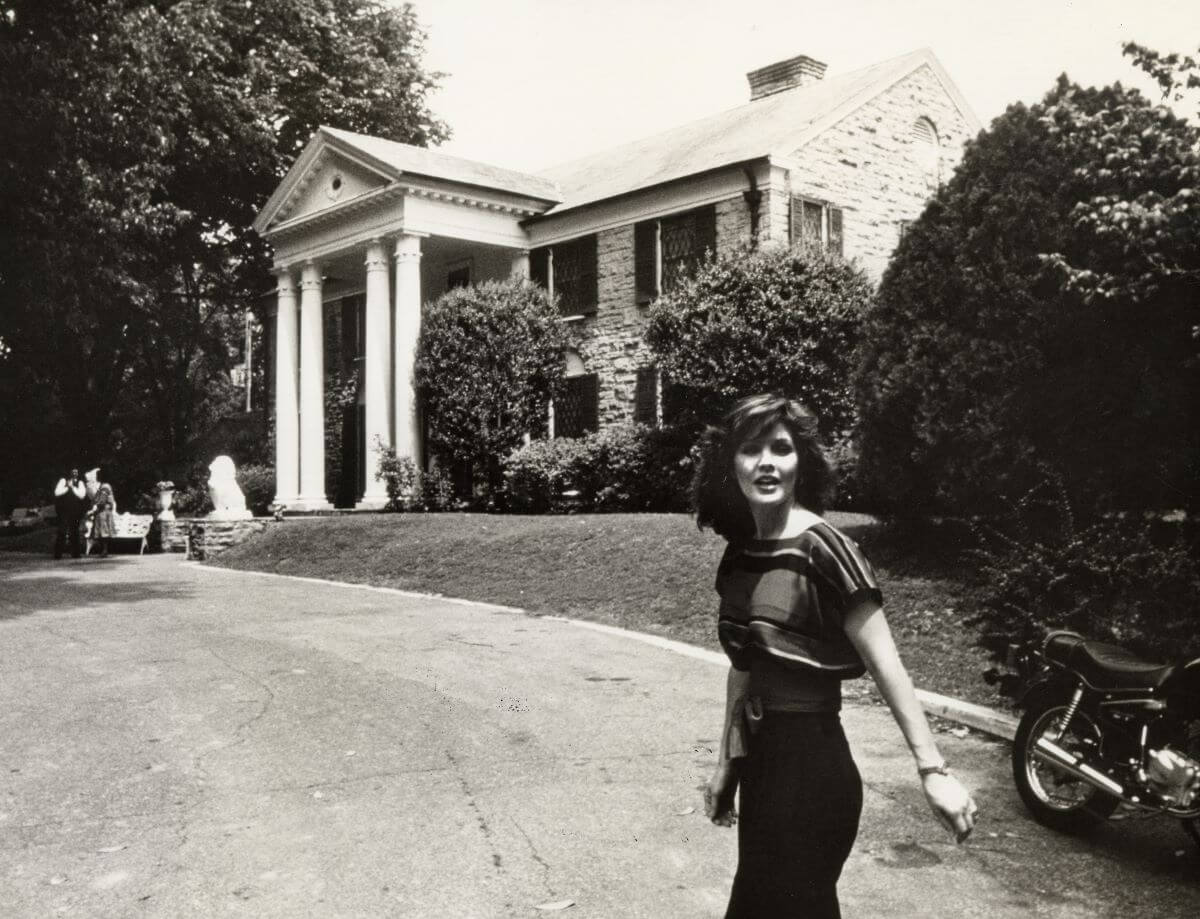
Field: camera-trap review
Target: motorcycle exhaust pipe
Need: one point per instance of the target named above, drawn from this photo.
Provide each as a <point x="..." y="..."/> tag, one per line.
<point x="1049" y="751"/>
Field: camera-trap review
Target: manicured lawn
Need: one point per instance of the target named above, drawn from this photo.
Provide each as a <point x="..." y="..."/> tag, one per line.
<point x="649" y="572"/>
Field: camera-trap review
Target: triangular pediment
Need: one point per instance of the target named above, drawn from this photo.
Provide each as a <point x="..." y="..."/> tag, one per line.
<point x="329" y="183"/>
<point x="323" y="177"/>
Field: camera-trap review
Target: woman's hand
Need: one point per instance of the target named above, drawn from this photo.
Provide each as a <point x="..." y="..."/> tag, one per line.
<point x="719" y="793"/>
<point x="951" y="803"/>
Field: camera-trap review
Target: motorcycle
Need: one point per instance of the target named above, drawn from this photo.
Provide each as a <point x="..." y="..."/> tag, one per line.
<point x="1106" y="734"/>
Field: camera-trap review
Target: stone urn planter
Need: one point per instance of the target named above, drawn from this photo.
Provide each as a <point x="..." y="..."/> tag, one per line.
<point x="166" y="496"/>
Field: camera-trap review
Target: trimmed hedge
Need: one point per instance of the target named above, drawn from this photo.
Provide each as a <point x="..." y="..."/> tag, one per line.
<point x="626" y="467"/>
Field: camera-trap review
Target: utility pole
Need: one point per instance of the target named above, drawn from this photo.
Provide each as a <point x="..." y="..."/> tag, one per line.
<point x="249" y="366"/>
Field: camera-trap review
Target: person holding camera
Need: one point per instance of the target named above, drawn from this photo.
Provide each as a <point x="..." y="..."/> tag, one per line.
<point x="69" y="497"/>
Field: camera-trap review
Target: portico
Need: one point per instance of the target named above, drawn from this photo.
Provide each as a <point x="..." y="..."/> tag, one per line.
<point x="359" y="216"/>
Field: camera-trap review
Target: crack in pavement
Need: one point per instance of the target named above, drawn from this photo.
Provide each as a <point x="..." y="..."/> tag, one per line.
<point x="536" y="857"/>
<point x="480" y="819"/>
<point x="240" y="729"/>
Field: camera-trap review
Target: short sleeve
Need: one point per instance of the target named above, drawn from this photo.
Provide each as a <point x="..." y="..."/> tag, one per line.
<point x="844" y="569"/>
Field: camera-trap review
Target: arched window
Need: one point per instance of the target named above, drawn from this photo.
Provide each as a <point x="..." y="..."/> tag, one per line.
<point x="927" y="149"/>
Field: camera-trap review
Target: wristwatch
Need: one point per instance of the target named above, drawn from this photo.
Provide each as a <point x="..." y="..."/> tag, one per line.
<point x="940" y="769"/>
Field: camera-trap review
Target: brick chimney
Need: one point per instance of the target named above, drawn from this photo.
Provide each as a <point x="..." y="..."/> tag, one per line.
<point x="790" y="74"/>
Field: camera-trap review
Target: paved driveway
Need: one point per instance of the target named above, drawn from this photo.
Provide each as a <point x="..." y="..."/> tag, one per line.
<point x="186" y="742"/>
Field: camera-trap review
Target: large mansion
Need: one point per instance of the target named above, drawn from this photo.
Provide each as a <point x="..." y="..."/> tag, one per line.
<point x="365" y="230"/>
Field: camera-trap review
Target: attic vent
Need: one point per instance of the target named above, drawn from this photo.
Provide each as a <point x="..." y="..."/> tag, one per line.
<point x="790" y="74"/>
<point x="926" y="148"/>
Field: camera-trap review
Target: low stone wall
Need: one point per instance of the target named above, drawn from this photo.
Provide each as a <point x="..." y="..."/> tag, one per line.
<point x="209" y="537"/>
<point x="169" y="535"/>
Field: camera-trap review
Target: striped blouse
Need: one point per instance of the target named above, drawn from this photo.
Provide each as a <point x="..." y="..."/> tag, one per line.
<point x="784" y="599"/>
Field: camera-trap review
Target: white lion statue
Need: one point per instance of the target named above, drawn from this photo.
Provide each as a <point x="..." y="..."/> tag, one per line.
<point x="227" y="499"/>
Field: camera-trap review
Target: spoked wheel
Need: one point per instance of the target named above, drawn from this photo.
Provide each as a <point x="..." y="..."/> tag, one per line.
<point x="1056" y="798"/>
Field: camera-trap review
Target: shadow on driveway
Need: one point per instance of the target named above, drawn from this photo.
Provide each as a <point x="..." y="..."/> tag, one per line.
<point x="25" y="592"/>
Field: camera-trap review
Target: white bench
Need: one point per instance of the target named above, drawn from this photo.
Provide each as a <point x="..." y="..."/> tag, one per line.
<point x="23" y="517"/>
<point x="125" y="526"/>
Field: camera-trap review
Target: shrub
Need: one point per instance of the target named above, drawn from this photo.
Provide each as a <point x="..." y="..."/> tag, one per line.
<point x="779" y="319"/>
<point x="399" y="474"/>
<point x="411" y="489"/>
<point x="842" y="453"/>
<point x="257" y="481"/>
<point x="983" y="357"/>
<point x="435" y="490"/>
<point x="1119" y="578"/>
<point x="538" y="474"/>
<point x="489" y="360"/>
<point x="626" y="467"/>
<point x="192" y="501"/>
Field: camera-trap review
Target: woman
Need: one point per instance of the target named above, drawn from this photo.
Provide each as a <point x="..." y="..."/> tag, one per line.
<point x="800" y="611"/>
<point x="104" y="506"/>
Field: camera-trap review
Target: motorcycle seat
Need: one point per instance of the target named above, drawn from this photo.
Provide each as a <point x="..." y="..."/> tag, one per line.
<point x="1105" y="666"/>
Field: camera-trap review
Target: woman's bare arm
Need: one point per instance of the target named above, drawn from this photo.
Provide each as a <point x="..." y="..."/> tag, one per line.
<point x="868" y="631"/>
<point x="719" y="793"/>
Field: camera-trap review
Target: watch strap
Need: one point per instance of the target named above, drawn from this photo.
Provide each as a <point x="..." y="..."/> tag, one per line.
<point x="939" y="769"/>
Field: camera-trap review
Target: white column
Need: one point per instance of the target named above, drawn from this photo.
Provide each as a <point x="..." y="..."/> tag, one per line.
<point x="520" y="264"/>
<point x="312" y="392"/>
<point x="408" y="329"/>
<point x="377" y="382"/>
<point x="287" y="431"/>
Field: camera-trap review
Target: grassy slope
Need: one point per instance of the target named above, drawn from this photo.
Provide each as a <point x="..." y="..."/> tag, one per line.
<point x="649" y="572"/>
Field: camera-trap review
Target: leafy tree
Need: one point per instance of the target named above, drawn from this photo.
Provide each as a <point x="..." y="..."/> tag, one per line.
<point x="775" y="319"/>
<point x="144" y="136"/>
<point x="1143" y="222"/>
<point x="984" y="360"/>
<point x="489" y="360"/>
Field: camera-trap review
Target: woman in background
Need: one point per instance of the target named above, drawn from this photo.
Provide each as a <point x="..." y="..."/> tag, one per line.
<point x="800" y="612"/>
<point x="104" y="506"/>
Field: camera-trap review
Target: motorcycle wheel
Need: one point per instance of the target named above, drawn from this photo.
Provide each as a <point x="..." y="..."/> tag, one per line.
<point x="1055" y="798"/>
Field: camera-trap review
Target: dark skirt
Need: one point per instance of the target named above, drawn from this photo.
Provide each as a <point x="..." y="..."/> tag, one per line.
<point x="800" y="797"/>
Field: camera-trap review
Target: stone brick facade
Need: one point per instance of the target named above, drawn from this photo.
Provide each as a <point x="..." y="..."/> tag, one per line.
<point x="611" y="343"/>
<point x="866" y="164"/>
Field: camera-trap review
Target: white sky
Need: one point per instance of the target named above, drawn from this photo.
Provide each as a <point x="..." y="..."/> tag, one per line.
<point x="531" y="83"/>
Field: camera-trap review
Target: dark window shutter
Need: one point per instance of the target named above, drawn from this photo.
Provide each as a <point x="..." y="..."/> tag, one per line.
<point x="539" y="266"/>
<point x="645" y="260"/>
<point x="645" y="397"/>
<point x="706" y="232"/>
<point x="674" y="398"/>
<point x="835" y="230"/>
<point x="589" y="282"/>
<point x="590" y="398"/>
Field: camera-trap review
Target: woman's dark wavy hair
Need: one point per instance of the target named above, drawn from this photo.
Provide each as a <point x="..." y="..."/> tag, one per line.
<point x="716" y="497"/>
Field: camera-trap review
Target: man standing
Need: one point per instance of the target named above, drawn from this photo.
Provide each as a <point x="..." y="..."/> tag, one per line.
<point x="69" y="495"/>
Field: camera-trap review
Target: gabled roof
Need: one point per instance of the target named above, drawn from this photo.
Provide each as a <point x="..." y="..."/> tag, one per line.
<point x="405" y="158"/>
<point x="392" y="160"/>
<point x="774" y="126"/>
